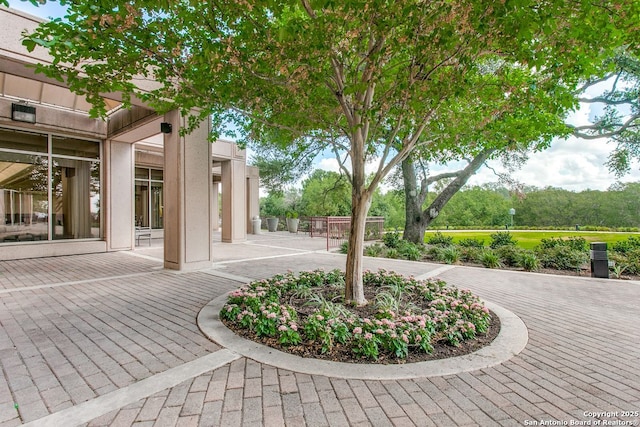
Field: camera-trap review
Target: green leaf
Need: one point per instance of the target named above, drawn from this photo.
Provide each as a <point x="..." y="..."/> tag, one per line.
<point x="29" y="44"/>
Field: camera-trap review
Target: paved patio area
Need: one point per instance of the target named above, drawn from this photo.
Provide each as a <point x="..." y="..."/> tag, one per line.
<point x="111" y="339"/>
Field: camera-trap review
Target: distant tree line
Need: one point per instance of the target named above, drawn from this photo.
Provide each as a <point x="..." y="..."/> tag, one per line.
<point x="327" y="193"/>
<point x="489" y="205"/>
<point x="619" y="206"/>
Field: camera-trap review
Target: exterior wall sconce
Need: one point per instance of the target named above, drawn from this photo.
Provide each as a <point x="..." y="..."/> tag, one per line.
<point x="23" y="113"/>
<point x="166" y="127"/>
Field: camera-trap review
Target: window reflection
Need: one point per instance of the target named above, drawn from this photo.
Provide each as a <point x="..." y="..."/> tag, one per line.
<point x="42" y="201"/>
<point x="23" y="197"/>
<point x="149" y="199"/>
<point x="24" y="141"/>
<point x="75" y="147"/>
<point x="157" y="205"/>
<point x="75" y="198"/>
<point x="142" y="203"/>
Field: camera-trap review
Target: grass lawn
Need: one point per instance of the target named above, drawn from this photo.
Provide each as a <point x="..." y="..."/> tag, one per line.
<point x="531" y="239"/>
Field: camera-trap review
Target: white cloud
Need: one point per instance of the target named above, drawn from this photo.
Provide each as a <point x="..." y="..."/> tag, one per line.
<point x="580" y="117"/>
<point x="328" y="164"/>
<point x="331" y="164"/>
<point x="573" y="164"/>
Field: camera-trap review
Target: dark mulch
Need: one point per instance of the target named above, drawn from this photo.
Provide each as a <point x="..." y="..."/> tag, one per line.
<point x="342" y="353"/>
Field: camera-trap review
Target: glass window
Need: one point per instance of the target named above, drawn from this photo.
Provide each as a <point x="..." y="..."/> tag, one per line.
<point x="25" y="141"/>
<point x="142" y="173"/>
<point x="149" y="198"/>
<point x="27" y="179"/>
<point x="76" y="147"/>
<point x="23" y="197"/>
<point x="75" y="199"/>
<point x="156" y="174"/>
<point x="142" y="203"/>
<point x="157" y="205"/>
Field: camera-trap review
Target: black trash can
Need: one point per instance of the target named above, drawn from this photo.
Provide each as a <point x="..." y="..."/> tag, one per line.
<point x="599" y="260"/>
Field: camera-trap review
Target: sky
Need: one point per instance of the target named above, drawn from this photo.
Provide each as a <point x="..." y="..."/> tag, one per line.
<point x="573" y="164"/>
<point x="47" y="10"/>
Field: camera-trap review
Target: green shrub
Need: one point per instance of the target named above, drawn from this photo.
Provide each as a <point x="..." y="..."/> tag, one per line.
<point x="501" y="239"/>
<point x="514" y="256"/>
<point x="575" y="243"/>
<point x="629" y="260"/>
<point x="596" y="228"/>
<point x="617" y="270"/>
<point x="549" y="243"/>
<point x="625" y="246"/>
<point x="528" y="261"/>
<point x="562" y="258"/>
<point x="409" y="250"/>
<point x="433" y="252"/>
<point x="393" y="253"/>
<point x="448" y="254"/>
<point x="490" y="259"/>
<point x="440" y="239"/>
<point x="375" y="250"/>
<point x="391" y="240"/>
<point x="471" y="243"/>
<point x="344" y="248"/>
<point x="471" y="254"/>
<point x="509" y="254"/>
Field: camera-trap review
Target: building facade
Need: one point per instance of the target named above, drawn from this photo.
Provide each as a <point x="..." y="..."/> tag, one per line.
<point x="71" y="184"/>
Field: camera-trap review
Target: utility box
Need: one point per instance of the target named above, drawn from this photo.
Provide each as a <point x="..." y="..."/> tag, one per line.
<point x="599" y="260"/>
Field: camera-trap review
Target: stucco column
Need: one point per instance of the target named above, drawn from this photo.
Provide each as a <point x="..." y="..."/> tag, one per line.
<point x="234" y="227"/>
<point x="118" y="176"/>
<point x="215" y="208"/>
<point x="253" y="195"/>
<point x="187" y="196"/>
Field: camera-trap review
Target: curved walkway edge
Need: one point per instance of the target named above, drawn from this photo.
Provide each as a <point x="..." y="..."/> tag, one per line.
<point x="511" y="340"/>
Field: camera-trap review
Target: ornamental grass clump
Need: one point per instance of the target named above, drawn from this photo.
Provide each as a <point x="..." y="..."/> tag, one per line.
<point x="404" y="315"/>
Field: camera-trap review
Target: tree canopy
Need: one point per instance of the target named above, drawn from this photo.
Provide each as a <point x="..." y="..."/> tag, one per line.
<point x="619" y="119"/>
<point x="364" y="78"/>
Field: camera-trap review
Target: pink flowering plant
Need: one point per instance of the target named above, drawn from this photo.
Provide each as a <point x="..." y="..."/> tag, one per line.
<point x="406" y="315"/>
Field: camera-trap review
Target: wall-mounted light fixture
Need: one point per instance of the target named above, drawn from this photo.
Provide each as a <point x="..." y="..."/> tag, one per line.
<point x="23" y="113"/>
<point x="166" y="127"/>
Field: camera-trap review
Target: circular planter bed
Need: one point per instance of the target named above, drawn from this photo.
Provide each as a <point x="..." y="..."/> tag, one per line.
<point x="405" y="320"/>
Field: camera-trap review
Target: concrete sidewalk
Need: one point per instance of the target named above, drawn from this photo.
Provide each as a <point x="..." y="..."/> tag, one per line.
<point x="111" y="339"/>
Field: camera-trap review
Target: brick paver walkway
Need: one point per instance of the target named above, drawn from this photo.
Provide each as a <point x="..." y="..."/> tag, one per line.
<point x="111" y="321"/>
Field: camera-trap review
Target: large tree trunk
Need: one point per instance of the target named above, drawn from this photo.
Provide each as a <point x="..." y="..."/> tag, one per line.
<point x="354" y="289"/>
<point x="360" y="201"/>
<point x="415" y="223"/>
<point x="417" y="220"/>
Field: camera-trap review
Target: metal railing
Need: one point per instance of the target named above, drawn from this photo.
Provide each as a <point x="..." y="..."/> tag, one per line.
<point x="336" y="228"/>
